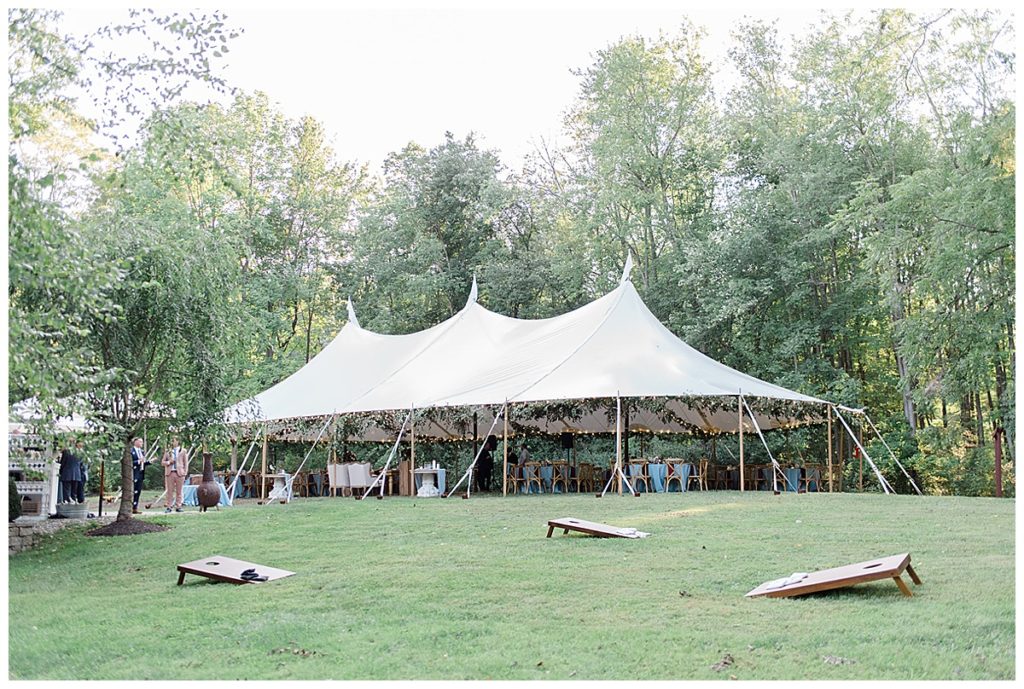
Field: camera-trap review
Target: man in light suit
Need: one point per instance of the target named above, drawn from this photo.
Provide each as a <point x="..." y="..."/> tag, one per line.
<point x="175" y="462"/>
<point x="138" y="471"/>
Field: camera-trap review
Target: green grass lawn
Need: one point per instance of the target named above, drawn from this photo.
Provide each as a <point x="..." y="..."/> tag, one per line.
<point x="438" y="589"/>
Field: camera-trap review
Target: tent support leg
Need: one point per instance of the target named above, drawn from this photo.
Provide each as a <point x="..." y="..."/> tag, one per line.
<point x="621" y="478"/>
<point x="776" y="469"/>
<point x="263" y="470"/>
<point x="891" y="453"/>
<point x="618" y="442"/>
<point x="469" y="470"/>
<point x="504" y="455"/>
<point x="881" y="479"/>
<point x="739" y="409"/>
<point x="412" y="452"/>
<point x="382" y="476"/>
<point x="829" y="450"/>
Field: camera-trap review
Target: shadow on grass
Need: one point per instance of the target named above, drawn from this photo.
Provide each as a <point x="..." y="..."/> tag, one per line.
<point x="879" y="590"/>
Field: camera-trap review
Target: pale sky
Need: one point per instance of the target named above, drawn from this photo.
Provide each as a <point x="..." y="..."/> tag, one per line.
<point x="378" y="79"/>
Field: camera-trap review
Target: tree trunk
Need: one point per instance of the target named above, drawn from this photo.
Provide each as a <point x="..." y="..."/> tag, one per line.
<point x="905" y="390"/>
<point x="124" y="511"/>
<point x="999" y="461"/>
<point x="906" y="387"/>
<point x="309" y="331"/>
<point x="979" y="419"/>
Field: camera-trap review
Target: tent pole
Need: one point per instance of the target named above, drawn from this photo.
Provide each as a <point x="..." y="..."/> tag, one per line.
<point x="829" y="409"/>
<point x="334" y="458"/>
<point x="618" y="442"/>
<point x="841" y="451"/>
<point x="860" y="441"/>
<point x="739" y="409"/>
<point x="504" y="459"/>
<point x="625" y="433"/>
<point x="263" y="471"/>
<point x="412" y="451"/>
<point x="234" y="454"/>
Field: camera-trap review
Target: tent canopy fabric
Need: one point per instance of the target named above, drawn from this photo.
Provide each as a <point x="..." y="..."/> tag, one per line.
<point x="613" y="346"/>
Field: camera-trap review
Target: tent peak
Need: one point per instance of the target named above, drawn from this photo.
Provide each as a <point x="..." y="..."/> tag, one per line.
<point x="627" y="269"/>
<point x="472" y="292"/>
<point x="352" y="314"/>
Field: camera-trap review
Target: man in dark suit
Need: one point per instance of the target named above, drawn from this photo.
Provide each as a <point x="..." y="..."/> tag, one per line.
<point x="70" y="472"/>
<point x="138" y="471"/>
<point x="84" y="469"/>
<point x="485" y="465"/>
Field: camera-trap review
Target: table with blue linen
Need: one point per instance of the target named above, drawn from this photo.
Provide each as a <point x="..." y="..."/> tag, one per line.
<point x="547" y="475"/>
<point x="439" y="481"/>
<point x="190" y="495"/>
<point x="792" y="479"/>
<point x="658" y="474"/>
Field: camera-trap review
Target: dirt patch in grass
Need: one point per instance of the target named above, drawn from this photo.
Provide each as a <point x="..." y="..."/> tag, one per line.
<point x="128" y="527"/>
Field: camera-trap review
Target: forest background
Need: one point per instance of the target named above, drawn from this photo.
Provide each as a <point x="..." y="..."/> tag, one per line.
<point x="840" y="221"/>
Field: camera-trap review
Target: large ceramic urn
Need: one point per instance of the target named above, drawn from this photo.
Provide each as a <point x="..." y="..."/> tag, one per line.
<point x="208" y="492"/>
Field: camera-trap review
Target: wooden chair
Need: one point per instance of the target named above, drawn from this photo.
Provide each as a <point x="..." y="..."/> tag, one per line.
<point x="719" y="477"/>
<point x="252" y="484"/>
<point x="584" y="478"/>
<point x="560" y="474"/>
<point x="299" y="485"/>
<point x="701" y="475"/>
<point x="637" y="472"/>
<point x="675" y="473"/>
<point x="531" y="476"/>
<point x="513" y="478"/>
<point x="812" y="473"/>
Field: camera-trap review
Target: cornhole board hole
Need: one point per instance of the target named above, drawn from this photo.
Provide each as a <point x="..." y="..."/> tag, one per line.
<point x="568" y="524"/>
<point x="228" y="569"/>
<point x="840" y="577"/>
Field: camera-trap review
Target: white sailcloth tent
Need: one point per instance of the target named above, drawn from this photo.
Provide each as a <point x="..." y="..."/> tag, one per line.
<point x="611" y="348"/>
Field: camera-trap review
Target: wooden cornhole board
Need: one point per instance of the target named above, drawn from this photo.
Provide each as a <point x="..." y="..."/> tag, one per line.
<point x="228" y="569"/>
<point x="839" y="577"/>
<point x="568" y="524"/>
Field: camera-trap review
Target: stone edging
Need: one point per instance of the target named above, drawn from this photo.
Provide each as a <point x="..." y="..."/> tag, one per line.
<point x="24" y="534"/>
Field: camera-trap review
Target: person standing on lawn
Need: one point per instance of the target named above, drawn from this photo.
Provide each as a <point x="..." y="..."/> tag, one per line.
<point x="70" y="472"/>
<point x="175" y="463"/>
<point x="138" y="472"/>
<point x="83" y="471"/>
